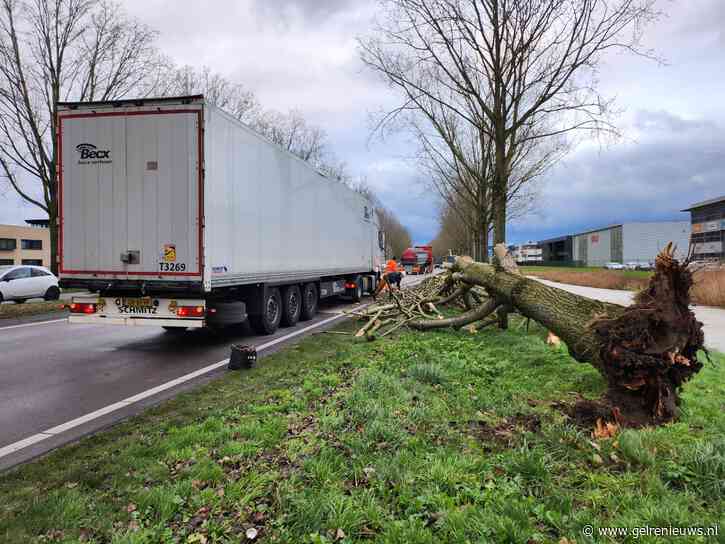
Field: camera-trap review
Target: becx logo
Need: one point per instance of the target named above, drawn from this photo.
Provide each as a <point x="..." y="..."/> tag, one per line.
<point x="90" y="152"/>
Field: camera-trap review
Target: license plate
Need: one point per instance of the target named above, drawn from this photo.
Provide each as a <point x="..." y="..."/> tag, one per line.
<point x="143" y="305"/>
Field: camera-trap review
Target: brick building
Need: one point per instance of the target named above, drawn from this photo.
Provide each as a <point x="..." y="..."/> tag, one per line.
<point x="24" y="245"/>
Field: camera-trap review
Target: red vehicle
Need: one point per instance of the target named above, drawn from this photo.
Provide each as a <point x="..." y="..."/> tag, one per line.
<point x="418" y="259"/>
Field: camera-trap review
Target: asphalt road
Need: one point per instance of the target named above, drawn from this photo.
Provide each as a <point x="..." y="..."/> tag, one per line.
<point x="52" y="373"/>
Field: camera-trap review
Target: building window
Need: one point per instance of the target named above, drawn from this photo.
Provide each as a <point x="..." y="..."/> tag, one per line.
<point x="31" y="244"/>
<point x="8" y="244"/>
<point x="33" y="262"/>
<point x="7" y="262"/>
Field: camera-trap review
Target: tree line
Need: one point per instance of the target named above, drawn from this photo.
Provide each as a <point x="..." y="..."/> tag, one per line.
<point x="91" y="50"/>
<point x="495" y="92"/>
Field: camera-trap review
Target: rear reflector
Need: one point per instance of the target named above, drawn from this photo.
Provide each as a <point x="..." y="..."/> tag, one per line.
<point x="82" y="308"/>
<point x="190" y="311"/>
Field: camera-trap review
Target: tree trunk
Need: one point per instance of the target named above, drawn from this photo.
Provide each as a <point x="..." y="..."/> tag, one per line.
<point x="645" y="351"/>
<point x="54" y="232"/>
<point x="500" y="190"/>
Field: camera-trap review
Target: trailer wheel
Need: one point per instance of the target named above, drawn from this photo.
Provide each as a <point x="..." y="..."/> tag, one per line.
<point x="291" y="305"/>
<point x="309" y="301"/>
<point x="268" y="321"/>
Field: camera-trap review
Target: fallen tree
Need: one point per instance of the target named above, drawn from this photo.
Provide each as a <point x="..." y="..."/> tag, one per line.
<point x="645" y="351"/>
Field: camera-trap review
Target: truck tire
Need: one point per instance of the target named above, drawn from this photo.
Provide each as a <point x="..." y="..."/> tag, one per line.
<point x="357" y="293"/>
<point x="309" y="301"/>
<point x="268" y="321"/>
<point x="291" y="305"/>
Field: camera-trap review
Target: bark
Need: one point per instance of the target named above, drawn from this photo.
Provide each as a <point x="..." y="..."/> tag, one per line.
<point x="53" y="228"/>
<point x="645" y="351"/>
<point x="476" y="314"/>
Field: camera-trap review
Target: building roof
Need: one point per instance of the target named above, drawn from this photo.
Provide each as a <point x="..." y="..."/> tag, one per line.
<point x="554" y="240"/>
<point x="38" y="222"/>
<point x="705" y="203"/>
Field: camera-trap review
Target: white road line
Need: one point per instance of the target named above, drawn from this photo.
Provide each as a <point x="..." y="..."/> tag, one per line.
<point x="24" y="443"/>
<point x="53" y="431"/>
<point x="33" y="324"/>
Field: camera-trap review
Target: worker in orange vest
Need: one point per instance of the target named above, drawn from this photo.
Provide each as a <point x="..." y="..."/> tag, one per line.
<point x="391" y="277"/>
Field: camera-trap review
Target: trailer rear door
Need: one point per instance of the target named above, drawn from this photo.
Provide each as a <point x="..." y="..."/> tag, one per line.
<point x="131" y="193"/>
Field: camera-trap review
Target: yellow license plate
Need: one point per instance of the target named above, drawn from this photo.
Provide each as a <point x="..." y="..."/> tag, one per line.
<point x="145" y="302"/>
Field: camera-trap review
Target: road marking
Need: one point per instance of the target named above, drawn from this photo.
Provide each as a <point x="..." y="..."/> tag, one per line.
<point x="24" y="443"/>
<point x="63" y="427"/>
<point x="33" y="324"/>
<point x="58" y="429"/>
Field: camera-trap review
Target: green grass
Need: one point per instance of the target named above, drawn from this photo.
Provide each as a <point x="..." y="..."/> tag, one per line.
<point x="422" y="438"/>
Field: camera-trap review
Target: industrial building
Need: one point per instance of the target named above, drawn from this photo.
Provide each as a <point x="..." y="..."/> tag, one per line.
<point x="528" y="253"/>
<point x="557" y="250"/>
<point x="708" y="229"/>
<point x="630" y="242"/>
<point x="24" y="245"/>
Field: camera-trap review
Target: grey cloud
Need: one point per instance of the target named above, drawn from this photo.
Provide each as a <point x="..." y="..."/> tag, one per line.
<point x="312" y="11"/>
<point x="676" y="162"/>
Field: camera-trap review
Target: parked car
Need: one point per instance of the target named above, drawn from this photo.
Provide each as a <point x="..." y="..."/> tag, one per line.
<point x="614" y="266"/>
<point x="20" y="283"/>
<point x="632" y="266"/>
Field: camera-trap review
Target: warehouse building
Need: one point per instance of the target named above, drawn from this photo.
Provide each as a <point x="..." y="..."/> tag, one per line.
<point x="708" y="229"/>
<point x="528" y="253"/>
<point x="24" y="245"/>
<point x="630" y="242"/>
<point x="557" y="250"/>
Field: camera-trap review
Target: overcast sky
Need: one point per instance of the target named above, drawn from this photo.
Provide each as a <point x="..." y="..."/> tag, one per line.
<point x="302" y="54"/>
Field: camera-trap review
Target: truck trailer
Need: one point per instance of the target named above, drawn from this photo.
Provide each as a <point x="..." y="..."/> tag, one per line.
<point x="173" y="213"/>
<point x="418" y="260"/>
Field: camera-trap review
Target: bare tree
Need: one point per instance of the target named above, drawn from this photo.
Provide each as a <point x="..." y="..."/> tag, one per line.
<point x="233" y="98"/>
<point x="292" y="132"/>
<point x="61" y="50"/>
<point x="459" y="162"/>
<point x="397" y="237"/>
<point x="454" y="235"/>
<point x="511" y="66"/>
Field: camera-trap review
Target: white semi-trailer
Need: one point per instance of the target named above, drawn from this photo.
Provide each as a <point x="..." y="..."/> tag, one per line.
<point x="175" y="214"/>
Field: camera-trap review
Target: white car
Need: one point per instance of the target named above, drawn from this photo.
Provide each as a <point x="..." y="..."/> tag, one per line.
<point x="632" y="266"/>
<point x="614" y="266"/>
<point x="20" y="283"/>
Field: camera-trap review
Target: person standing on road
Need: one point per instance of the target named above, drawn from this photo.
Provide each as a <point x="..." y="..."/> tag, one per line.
<point x="391" y="271"/>
<point x="391" y="277"/>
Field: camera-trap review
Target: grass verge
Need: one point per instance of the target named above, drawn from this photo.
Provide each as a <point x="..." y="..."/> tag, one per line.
<point x="13" y="310"/>
<point x="708" y="288"/>
<point x="629" y="280"/>
<point x="421" y="438"/>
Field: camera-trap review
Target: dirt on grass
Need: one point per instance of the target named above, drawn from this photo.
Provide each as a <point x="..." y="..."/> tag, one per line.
<point x="503" y="433"/>
<point x="586" y="414"/>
